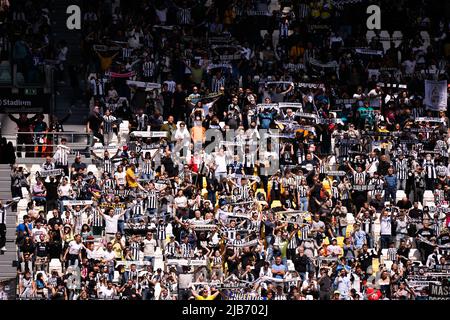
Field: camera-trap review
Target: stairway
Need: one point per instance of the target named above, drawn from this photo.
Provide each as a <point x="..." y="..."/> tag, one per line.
<point x="65" y="96"/>
<point x="7" y="271"/>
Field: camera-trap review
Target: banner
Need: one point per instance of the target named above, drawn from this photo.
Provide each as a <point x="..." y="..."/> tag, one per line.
<point x="392" y="85"/>
<point x="336" y="173"/>
<point x="429" y="119"/>
<point x="219" y="66"/>
<point x="310" y="85"/>
<point x="244" y="244"/>
<point x="76" y="202"/>
<point x="50" y="173"/>
<point x="436" y="95"/>
<point x="120" y="75"/>
<point x="369" y="52"/>
<point x="204" y="227"/>
<point x="439" y="292"/>
<point x="149" y="134"/>
<point x="186" y="262"/>
<point x="145" y="85"/>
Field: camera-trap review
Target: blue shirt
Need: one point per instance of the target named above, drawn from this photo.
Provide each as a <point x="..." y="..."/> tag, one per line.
<point x="280" y="267"/>
<point x="391" y="181"/>
<point x="21" y="227"/>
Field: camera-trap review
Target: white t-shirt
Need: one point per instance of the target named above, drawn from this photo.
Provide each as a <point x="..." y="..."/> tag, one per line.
<point x="385" y="226"/>
<point x="74" y="247"/>
<point x="120" y="176"/>
<point x="109" y="256"/>
<point x="149" y="247"/>
<point x="65" y="190"/>
<point x="37" y="233"/>
<point x="181" y="202"/>
<point x="111" y="223"/>
<point x="221" y="163"/>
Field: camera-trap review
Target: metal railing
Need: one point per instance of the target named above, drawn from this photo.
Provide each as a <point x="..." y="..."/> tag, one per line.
<point x="44" y="144"/>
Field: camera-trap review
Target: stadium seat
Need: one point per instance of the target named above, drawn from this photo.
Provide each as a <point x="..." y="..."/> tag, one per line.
<point x="93" y="168"/>
<point x="388" y="264"/>
<point x="384" y="254"/>
<point x="399" y="195"/>
<point x="116" y="276"/>
<point x="55" y="264"/>
<point x="290" y="265"/>
<point x="20" y="215"/>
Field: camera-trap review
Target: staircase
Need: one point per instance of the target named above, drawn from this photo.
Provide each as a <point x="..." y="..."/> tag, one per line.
<point x="7" y="271"/>
<point x="66" y="97"/>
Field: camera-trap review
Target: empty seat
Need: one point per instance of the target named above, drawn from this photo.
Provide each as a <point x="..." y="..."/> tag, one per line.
<point x="55" y="264"/>
<point x="399" y="195"/>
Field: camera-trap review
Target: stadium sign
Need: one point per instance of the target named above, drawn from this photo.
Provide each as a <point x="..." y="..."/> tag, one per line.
<point x="439" y="292"/>
<point x="28" y="101"/>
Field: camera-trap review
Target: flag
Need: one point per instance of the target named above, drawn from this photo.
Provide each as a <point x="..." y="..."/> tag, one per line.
<point x="436" y="95"/>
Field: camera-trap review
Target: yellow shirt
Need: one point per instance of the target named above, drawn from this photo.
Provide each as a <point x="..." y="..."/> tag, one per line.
<point x="131" y="178"/>
<point x="203" y="298"/>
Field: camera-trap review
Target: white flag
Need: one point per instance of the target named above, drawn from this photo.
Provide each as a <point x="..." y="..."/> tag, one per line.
<point x="436" y="95"/>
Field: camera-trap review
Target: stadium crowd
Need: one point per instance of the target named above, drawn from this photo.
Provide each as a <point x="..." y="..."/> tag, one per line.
<point x="329" y="179"/>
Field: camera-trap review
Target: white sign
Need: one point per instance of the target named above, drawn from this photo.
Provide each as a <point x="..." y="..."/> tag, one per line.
<point x="436" y="95"/>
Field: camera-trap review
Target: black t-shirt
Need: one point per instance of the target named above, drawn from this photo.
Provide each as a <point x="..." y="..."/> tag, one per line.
<point x="300" y="263"/>
<point x="52" y="190"/>
<point x="54" y="221"/>
<point x="427" y="233"/>
<point x="443" y="239"/>
<point x="41" y="249"/>
<point x="94" y="122"/>
<point x="325" y="284"/>
<point x="403" y="252"/>
<point x="78" y="165"/>
<point x="415" y="213"/>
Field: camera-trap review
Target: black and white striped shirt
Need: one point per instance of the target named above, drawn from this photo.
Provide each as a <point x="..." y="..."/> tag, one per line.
<point x="302" y="191"/>
<point x="109" y="185"/>
<point x="151" y="201"/>
<point x="148" y="69"/>
<point x="186" y="249"/>
<point x="430" y="170"/>
<point x="138" y="208"/>
<point x="284" y="29"/>
<point x="184" y="16"/>
<point x="359" y="178"/>
<point x="304" y="232"/>
<point x="126" y="53"/>
<point x="392" y="254"/>
<point x="161" y="231"/>
<point x="230" y="233"/>
<point x="107" y="165"/>
<point x="293" y="243"/>
<point x="401" y="168"/>
<point x="97" y="220"/>
<point x="108" y="123"/>
<point x="135" y="249"/>
<point x="171" y="248"/>
<point x="142" y="122"/>
<point x="217" y="83"/>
